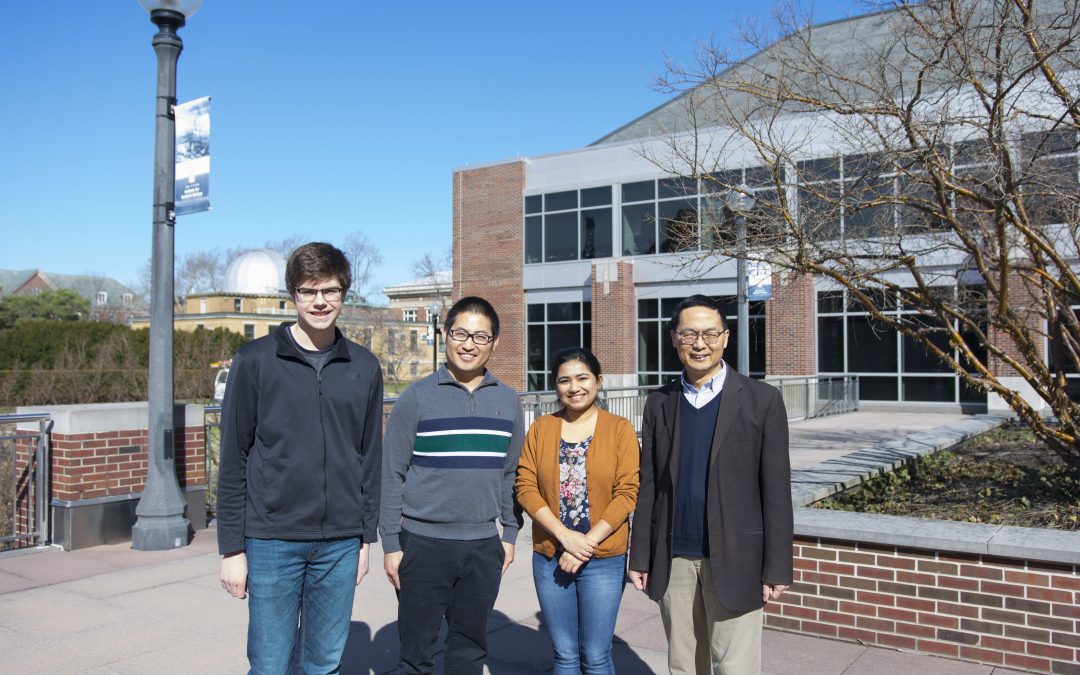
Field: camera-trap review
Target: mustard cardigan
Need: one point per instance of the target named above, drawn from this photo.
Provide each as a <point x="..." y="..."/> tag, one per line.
<point x="611" y="478"/>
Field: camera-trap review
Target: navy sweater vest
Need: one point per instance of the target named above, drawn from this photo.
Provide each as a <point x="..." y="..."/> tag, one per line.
<point x="690" y="535"/>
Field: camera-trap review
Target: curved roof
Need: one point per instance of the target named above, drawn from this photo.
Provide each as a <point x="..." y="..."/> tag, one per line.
<point x="256" y="272"/>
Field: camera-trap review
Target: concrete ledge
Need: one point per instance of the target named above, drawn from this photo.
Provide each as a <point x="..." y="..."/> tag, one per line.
<point x="87" y="418"/>
<point x="836" y="475"/>
<point x="940" y="535"/>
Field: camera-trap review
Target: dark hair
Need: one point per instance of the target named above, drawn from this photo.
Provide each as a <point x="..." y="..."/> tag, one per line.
<point x="473" y="305"/>
<point x="314" y="261"/>
<point x="697" y="301"/>
<point x="574" y="354"/>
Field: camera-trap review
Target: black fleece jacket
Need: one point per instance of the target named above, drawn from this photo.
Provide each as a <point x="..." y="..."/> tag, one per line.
<point x="301" y="451"/>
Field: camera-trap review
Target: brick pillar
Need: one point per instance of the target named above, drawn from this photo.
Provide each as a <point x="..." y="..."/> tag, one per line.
<point x="1024" y="302"/>
<point x="99" y="464"/>
<point x="614" y="321"/>
<point x="790" y="328"/>
<point x="489" y="254"/>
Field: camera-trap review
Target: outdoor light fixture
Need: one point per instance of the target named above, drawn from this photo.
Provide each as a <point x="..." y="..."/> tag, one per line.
<point x="161" y="522"/>
<point x="740" y="202"/>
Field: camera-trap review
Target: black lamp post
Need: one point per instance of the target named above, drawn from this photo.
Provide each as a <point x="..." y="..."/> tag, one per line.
<point x="741" y="202"/>
<point x="433" y="312"/>
<point x="161" y="523"/>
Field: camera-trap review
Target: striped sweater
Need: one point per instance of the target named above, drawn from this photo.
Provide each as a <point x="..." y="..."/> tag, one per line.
<point x="449" y="461"/>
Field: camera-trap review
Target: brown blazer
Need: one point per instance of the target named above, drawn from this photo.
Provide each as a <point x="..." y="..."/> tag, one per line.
<point x="611" y="478"/>
<point x="749" y="516"/>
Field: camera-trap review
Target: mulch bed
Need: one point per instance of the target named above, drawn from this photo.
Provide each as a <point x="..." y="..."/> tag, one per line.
<point x="1003" y="477"/>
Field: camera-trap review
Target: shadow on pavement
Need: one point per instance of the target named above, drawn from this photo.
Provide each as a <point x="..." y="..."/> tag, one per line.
<point x="513" y="649"/>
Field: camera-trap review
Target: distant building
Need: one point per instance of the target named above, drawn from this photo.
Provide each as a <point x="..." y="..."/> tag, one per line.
<point x="412" y="300"/>
<point x="110" y="300"/>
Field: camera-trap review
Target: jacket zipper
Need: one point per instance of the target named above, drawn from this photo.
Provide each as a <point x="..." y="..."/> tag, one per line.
<point x="322" y="428"/>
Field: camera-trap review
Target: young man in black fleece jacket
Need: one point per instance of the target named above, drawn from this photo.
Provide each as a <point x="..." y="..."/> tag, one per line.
<point x="298" y="490"/>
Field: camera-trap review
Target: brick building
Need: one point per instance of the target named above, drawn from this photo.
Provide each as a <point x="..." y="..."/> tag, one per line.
<point x="583" y="247"/>
<point x="110" y="300"/>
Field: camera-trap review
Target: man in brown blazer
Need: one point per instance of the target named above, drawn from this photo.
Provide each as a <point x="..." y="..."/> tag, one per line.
<point x="712" y="532"/>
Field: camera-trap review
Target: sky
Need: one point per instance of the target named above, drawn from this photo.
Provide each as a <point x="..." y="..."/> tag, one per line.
<point x="327" y="116"/>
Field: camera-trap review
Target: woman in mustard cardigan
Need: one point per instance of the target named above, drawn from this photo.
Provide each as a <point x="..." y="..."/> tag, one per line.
<point x="578" y="479"/>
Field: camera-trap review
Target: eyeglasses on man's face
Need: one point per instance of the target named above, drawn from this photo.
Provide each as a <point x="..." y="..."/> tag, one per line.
<point x="690" y="337"/>
<point x="332" y="294"/>
<point x="479" y="339"/>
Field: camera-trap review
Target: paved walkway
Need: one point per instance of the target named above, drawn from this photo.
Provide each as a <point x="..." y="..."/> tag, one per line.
<point x="111" y="609"/>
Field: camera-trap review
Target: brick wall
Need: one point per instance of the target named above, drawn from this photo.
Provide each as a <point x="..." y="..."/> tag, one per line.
<point x="1024" y="302"/>
<point x="790" y="328"/>
<point x="111" y="463"/>
<point x="614" y="317"/>
<point x="488" y="252"/>
<point x="1000" y="611"/>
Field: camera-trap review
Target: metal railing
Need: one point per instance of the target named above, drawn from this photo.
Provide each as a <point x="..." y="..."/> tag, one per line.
<point x="24" y="481"/>
<point x="804" y="397"/>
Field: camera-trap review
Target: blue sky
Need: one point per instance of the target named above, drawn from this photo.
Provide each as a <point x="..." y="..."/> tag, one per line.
<point x="327" y="116"/>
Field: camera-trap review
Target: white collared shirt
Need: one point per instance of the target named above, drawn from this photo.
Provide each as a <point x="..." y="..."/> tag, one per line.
<point x="699" y="398"/>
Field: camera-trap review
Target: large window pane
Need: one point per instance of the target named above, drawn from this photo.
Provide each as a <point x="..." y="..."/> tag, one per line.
<point x="648" y="346"/>
<point x="877" y="389"/>
<point x="534" y="239"/>
<point x="647" y="309"/>
<point x="819" y="211"/>
<point x="563" y="336"/>
<point x="677" y="187"/>
<point x="536" y="313"/>
<point x="560" y="201"/>
<point x="533" y="203"/>
<point x="537" y="381"/>
<point x="678" y="225"/>
<point x="596" y="233"/>
<point x="638" y="192"/>
<point x="564" y="311"/>
<point x="598" y="196"/>
<point x="830" y="344"/>
<point x="919" y="359"/>
<point x="830" y="302"/>
<point x="934" y="389"/>
<point x="560" y="235"/>
<point x="638" y="229"/>
<point x="870" y="350"/>
<point x="757" y="345"/>
<point x="536" y="348"/>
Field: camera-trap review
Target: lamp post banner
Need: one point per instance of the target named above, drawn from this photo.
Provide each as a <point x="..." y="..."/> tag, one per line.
<point x="192" y="156"/>
<point x="759" y="281"/>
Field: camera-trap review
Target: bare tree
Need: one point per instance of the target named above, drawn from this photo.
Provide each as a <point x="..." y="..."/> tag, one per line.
<point x="921" y="158"/>
<point x="427" y="267"/>
<point x="364" y="258"/>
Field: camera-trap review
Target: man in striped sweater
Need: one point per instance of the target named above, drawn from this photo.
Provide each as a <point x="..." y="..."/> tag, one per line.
<point x="451" y="451"/>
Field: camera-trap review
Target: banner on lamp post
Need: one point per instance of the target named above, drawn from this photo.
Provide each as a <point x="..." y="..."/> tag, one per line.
<point x="192" y="186"/>
<point x="759" y="280"/>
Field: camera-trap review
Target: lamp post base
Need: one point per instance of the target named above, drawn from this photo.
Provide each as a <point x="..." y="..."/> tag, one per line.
<point x="160" y="533"/>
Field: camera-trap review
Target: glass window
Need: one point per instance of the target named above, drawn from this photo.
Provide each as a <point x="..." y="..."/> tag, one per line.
<point x="560" y="201"/>
<point x="677" y="187"/>
<point x="249" y="331"/>
<point x="564" y="311"/>
<point x="638" y="192"/>
<point x="639" y="229"/>
<point x="871" y="348"/>
<point x="647" y="309"/>
<point x="930" y="389"/>
<point x="648" y="346"/>
<point x="678" y="225"/>
<point x="536" y="348"/>
<point x="534" y="239"/>
<point x="877" y="388"/>
<point x="536" y="313"/>
<point x="596" y="233"/>
<point x="813" y="170"/>
<point x="830" y="302"/>
<point x="919" y="359"/>
<point x="533" y="203"/>
<point x="759" y="176"/>
<point x="598" y="196"/>
<point x="560" y="236"/>
<point x="831" y="344"/>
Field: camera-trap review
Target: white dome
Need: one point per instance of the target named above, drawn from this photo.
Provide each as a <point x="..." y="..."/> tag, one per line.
<point x="256" y="272"/>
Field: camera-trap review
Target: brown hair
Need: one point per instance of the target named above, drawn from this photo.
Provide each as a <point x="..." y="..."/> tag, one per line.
<point x="316" y="260"/>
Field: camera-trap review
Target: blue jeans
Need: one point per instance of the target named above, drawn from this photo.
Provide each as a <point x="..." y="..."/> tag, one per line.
<point x="299" y="588"/>
<point x="580" y="611"/>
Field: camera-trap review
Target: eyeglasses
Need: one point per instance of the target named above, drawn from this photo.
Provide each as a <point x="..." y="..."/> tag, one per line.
<point x="479" y="339"/>
<point x="690" y="337"/>
<point x="328" y="294"/>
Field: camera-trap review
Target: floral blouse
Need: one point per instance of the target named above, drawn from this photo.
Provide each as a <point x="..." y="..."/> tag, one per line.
<point x="573" y="497"/>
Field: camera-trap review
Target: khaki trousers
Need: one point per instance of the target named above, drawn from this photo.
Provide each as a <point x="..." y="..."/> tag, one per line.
<point x="703" y="636"/>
